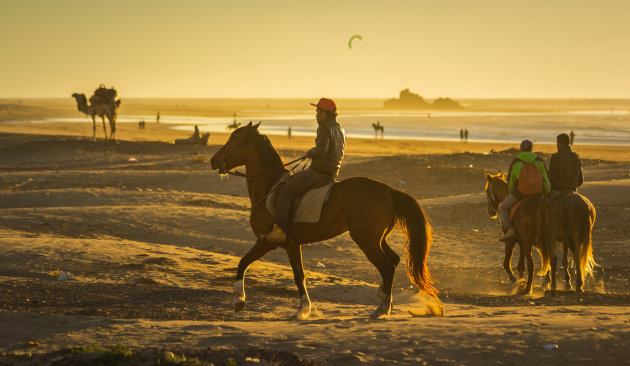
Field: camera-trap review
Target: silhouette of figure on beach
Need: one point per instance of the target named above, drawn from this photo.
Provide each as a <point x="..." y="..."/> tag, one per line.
<point x="466" y="135"/>
<point x="461" y="135"/>
<point x="157" y="118"/>
<point x="378" y="127"/>
<point x="195" y="139"/>
<point x="234" y="124"/>
<point x="571" y="137"/>
<point x="289" y="132"/>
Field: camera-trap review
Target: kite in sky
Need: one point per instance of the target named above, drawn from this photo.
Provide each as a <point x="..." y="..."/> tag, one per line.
<point x="352" y="39"/>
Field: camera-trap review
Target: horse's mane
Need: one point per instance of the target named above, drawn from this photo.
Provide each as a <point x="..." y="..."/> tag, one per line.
<point x="499" y="176"/>
<point x="269" y="155"/>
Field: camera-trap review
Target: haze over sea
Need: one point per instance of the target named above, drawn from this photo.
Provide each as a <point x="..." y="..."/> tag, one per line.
<point x="596" y="121"/>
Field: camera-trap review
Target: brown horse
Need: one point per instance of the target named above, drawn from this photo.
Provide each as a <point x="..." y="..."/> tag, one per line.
<point x="534" y="227"/>
<point x="575" y="216"/>
<point x="368" y="209"/>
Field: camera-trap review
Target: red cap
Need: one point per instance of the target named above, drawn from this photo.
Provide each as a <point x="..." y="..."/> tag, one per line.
<point x="326" y="104"/>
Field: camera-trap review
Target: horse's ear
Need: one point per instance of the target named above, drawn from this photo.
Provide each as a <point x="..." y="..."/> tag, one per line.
<point x="488" y="176"/>
<point x="250" y="124"/>
<point x="257" y="124"/>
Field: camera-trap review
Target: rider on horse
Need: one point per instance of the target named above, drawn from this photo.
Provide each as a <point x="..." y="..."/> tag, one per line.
<point x="565" y="169"/>
<point x="326" y="159"/>
<point x="526" y="156"/>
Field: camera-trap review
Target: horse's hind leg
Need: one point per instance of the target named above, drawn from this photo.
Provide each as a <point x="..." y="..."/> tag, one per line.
<point x="256" y="252"/>
<point x="579" y="280"/>
<point x="565" y="264"/>
<point x="554" y="267"/>
<point x="521" y="261"/>
<point x="370" y="244"/>
<point x="295" y="257"/>
<point x="530" y="270"/>
<point x="393" y="257"/>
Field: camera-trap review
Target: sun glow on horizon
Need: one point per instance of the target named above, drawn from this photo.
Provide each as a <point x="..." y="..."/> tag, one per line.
<point x="287" y="49"/>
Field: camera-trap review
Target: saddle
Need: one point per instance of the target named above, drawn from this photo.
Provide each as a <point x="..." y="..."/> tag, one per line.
<point x="561" y="195"/>
<point x="306" y="207"/>
<point x="103" y="95"/>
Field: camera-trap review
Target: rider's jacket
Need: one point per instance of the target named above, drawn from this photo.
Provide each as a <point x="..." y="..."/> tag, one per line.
<point x="565" y="170"/>
<point x="515" y="172"/>
<point x="329" y="147"/>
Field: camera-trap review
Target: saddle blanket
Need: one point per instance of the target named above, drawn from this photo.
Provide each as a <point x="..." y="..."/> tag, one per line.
<point x="307" y="208"/>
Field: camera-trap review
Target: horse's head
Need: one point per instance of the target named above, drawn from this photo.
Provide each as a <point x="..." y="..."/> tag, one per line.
<point x="233" y="154"/>
<point x="496" y="191"/>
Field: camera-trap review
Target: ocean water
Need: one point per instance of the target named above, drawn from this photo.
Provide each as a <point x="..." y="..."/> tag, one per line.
<point x="606" y="127"/>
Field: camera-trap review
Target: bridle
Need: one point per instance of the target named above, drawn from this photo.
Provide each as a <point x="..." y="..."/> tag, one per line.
<point x="222" y="166"/>
<point x="493" y="201"/>
<point x="248" y="177"/>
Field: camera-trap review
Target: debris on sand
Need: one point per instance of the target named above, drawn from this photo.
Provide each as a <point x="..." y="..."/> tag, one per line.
<point x="121" y="355"/>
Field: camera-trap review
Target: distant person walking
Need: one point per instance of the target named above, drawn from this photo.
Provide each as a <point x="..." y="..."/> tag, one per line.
<point x="466" y="135"/>
<point x="571" y="137"/>
<point x="157" y="118"/>
<point x="461" y="135"/>
<point x="289" y="132"/>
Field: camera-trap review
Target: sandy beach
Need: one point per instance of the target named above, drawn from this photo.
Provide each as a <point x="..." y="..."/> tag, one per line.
<point x="152" y="237"/>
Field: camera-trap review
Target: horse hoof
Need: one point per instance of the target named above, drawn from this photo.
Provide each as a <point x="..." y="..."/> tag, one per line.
<point x="301" y="315"/>
<point x="379" y="314"/>
<point x="238" y="306"/>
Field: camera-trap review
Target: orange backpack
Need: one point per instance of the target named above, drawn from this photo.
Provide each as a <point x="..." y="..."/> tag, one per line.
<point x="530" y="182"/>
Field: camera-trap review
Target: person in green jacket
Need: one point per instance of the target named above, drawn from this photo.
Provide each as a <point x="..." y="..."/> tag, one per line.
<point x="525" y="156"/>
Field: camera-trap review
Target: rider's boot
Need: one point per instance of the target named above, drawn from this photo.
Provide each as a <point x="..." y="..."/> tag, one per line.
<point x="507" y="235"/>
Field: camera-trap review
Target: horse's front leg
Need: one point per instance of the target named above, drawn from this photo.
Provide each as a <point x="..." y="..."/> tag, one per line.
<point x="256" y="252"/>
<point x="295" y="257"/>
<point x="507" y="261"/>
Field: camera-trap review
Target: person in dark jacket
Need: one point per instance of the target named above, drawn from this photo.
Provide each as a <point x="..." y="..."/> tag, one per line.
<point x="326" y="159"/>
<point x="525" y="156"/>
<point x="565" y="168"/>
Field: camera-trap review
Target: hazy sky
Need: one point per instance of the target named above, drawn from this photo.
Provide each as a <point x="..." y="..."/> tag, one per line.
<point x="295" y="48"/>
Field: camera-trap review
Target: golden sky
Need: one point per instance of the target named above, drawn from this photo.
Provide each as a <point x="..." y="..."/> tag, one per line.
<point x="295" y="48"/>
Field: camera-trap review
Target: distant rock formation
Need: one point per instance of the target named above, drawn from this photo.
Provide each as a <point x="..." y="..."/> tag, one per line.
<point x="409" y="100"/>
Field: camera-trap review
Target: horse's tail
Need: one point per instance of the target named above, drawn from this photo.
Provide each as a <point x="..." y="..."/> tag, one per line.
<point x="412" y="219"/>
<point x="583" y="243"/>
<point x="545" y="231"/>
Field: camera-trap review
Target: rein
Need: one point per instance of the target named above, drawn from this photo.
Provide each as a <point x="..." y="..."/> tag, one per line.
<point x="240" y="174"/>
<point x="492" y="199"/>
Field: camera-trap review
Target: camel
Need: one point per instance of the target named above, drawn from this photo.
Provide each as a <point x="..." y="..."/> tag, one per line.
<point x="102" y="109"/>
